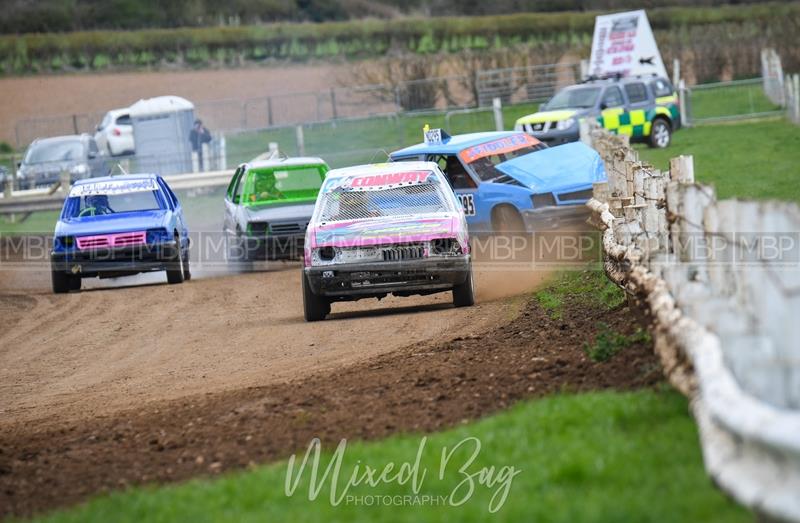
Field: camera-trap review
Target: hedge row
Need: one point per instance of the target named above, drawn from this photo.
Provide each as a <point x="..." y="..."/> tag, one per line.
<point x="31" y="53"/>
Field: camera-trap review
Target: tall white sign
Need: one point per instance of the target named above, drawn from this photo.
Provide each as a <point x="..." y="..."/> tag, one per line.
<point x="624" y="44"/>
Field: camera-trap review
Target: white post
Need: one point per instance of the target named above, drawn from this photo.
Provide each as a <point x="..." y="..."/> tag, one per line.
<point x="204" y="152"/>
<point x="273" y="150"/>
<point x="222" y="164"/>
<point x="796" y="83"/>
<point x="195" y="162"/>
<point x="584" y="68"/>
<point x="585" y="131"/>
<point x="682" y="94"/>
<point x="301" y="143"/>
<point x="497" y="107"/>
<point x="676" y="71"/>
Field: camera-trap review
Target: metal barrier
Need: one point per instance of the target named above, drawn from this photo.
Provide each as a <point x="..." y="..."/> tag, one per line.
<point x="726" y="101"/>
<point x="723" y="309"/>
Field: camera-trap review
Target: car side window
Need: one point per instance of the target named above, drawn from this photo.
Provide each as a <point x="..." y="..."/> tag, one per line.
<point x="124" y="119"/>
<point x="612" y="97"/>
<point x="637" y="93"/>
<point x="172" y="196"/>
<point x="454" y="170"/>
<point x="237" y="193"/>
<point x="661" y="88"/>
<point x="232" y="185"/>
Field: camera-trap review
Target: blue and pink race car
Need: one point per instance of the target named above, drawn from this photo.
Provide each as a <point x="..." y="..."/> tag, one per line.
<point x="119" y="226"/>
<point x="510" y="181"/>
<point x="382" y="229"/>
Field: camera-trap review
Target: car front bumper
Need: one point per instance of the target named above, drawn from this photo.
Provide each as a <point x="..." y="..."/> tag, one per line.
<point x="361" y="280"/>
<point x="284" y="247"/>
<point x="555" y="217"/>
<point x="110" y="261"/>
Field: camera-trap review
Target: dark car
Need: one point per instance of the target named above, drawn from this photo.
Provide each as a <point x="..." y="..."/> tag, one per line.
<point x="47" y="158"/>
<point x="644" y="108"/>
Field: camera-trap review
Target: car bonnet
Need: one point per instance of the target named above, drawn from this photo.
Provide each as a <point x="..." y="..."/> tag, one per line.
<point x="567" y="165"/>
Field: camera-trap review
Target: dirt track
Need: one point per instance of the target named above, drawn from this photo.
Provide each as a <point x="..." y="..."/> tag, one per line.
<point x="453" y="367"/>
<point x="115" y="346"/>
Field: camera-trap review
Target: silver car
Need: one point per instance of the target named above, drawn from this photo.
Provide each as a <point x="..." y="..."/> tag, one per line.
<point x="268" y="205"/>
<point x="47" y="158"/>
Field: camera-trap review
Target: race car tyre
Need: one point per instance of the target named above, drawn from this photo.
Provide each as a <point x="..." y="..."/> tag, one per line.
<point x="175" y="268"/>
<point x="62" y="282"/>
<point x="660" y="134"/>
<point x="315" y="308"/>
<point x="506" y="220"/>
<point x="464" y="294"/>
<point x="187" y="275"/>
<point x="74" y="283"/>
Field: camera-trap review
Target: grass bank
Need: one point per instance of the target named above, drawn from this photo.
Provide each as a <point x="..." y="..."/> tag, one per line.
<point x="592" y="457"/>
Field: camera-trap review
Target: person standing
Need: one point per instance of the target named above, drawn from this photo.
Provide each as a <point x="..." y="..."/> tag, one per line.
<point x="199" y="135"/>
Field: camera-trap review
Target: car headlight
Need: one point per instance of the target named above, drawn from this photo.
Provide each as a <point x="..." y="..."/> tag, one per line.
<point x="63" y="243"/>
<point x="324" y="255"/>
<point x="563" y="125"/>
<point x="158" y="236"/>
<point x="81" y="168"/>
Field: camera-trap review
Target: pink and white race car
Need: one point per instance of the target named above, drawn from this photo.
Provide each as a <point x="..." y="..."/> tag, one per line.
<point x="394" y="228"/>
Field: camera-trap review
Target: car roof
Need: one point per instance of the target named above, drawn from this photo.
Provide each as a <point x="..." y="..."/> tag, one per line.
<point x="300" y="160"/>
<point x="138" y="176"/>
<point x="65" y="138"/>
<point x="624" y="80"/>
<point x="454" y="144"/>
<point x="382" y="168"/>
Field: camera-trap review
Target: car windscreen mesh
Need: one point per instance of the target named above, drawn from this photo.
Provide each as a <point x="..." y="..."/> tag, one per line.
<point x="397" y="201"/>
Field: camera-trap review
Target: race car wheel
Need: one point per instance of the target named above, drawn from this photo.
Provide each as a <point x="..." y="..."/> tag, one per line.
<point x="660" y="134"/>
<point x="74" y="283"/>
<point x="315" y="308"/>
<point x="175" y="268"/>
<point x="464" y="294"/>
<point x="62" y="282"/>
<point x="187" y="275"/>
<point x="506" y="220"/>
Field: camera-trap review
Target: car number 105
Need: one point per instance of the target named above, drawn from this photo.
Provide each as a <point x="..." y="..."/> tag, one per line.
<point x="468" y="204"/>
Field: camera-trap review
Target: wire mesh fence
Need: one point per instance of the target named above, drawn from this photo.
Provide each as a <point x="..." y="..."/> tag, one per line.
<point x="735" y="100"/>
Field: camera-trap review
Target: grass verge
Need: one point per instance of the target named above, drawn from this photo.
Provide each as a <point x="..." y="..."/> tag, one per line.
<point x="594" y="457"/>
<point x="756" y="159"/>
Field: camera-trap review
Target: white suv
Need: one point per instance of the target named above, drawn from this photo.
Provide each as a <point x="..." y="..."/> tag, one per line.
<point x="115" y="133"/>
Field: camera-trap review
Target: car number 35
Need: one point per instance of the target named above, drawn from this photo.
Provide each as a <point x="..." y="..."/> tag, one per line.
<point x="468" y="204"/>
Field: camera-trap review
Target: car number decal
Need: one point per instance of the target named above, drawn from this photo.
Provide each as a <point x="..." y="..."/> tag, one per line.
<point x="468" y="204"/>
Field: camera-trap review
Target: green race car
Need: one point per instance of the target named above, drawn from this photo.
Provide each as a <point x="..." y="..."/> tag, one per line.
<point x="646" y="109"/>
<point x="268" y="205"/>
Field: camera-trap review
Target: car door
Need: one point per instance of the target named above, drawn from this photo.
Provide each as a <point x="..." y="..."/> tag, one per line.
<point x="231" y="201"/>
<point x="612" y="109"/>
<point x="639" y="103"/>
<point x="462" y="182"/>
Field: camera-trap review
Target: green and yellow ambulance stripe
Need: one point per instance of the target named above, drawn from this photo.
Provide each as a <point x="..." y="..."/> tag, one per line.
<point x="635" y="123"/>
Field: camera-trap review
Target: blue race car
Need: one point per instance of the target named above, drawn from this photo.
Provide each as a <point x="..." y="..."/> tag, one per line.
<point x="510" y="181"/>
<point x="119" y="226"/>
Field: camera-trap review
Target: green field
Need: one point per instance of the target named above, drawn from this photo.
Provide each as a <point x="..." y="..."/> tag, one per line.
<point x="592" y="457"/>
<point x="745" y="160"/>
